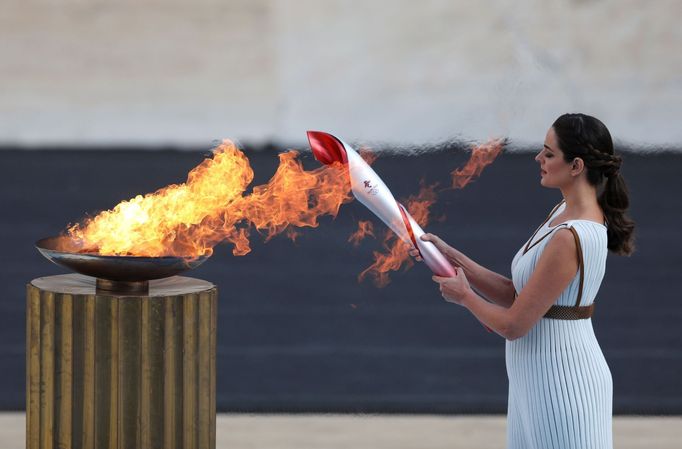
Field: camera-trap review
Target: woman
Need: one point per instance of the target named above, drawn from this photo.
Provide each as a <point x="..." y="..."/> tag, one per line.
<point x="560" y="388"/>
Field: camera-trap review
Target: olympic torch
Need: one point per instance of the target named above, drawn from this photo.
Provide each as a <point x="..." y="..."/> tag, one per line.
<point x="371" y="191"/>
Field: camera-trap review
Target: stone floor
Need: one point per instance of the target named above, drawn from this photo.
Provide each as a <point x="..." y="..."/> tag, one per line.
<point x="240" y="431"/>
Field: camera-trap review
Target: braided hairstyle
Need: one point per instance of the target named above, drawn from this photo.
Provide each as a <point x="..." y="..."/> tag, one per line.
<point x="588" y="138"/>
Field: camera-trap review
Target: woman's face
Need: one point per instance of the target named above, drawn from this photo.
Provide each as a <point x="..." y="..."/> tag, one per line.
<point x="554" y="170"/>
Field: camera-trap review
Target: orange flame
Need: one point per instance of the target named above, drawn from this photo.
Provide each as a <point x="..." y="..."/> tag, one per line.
<point x="368" y="155"/>
<point x="189" y="219"/>
<point x="293" y="234"/>
<point x="365" y="229"/>
<point x="481" y="156"/>
<point x="397" y="252"/>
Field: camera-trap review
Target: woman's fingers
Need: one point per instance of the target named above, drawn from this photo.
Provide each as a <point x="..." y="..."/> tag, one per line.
<point x="414" y="253"/>
<point x="433" y="238"/>
<point x="443" y="247"/>
<point x="437" y="241"/>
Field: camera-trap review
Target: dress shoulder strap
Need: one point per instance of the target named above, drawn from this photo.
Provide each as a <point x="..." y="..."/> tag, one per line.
<point x="530" y="243"/>
<point x="581" y="264"/>
<point x="554" y="209"/>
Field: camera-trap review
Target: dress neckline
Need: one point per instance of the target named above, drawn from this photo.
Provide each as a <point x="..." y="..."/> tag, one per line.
<point x="548" y="222"/>
<point x="578" y="219"/>
<point x="550" y="229"/>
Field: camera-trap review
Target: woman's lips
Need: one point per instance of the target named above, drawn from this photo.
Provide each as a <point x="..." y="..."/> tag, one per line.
<point x="542" y="172"/>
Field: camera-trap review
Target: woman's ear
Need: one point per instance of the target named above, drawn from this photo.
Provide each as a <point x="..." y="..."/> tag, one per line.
<point x="577" y="166"/>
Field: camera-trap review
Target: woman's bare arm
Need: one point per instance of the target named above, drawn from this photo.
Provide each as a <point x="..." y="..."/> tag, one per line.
<point x="493" y="286"/>
<point x="556" y="268"/>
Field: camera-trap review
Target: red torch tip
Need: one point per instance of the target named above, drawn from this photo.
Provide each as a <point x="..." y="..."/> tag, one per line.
<point x="327" y="148"/>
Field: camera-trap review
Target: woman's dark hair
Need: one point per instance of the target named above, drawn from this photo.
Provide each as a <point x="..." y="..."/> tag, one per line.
<point x="588" y="138"/>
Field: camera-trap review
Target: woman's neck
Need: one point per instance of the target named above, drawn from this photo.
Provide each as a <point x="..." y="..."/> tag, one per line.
<point x="581" y="199"/>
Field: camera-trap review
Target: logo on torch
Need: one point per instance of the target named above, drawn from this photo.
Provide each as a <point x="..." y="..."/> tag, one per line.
<point x="370" y="189"/>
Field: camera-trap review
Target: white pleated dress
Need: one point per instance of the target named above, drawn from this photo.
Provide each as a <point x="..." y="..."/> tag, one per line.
<point x="560" y="387"/>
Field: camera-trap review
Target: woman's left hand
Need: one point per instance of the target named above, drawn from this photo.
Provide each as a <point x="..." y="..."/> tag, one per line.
<point x="454" y="289"/>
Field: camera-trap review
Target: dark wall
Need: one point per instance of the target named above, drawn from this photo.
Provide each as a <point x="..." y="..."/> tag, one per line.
<point x="297" y="332"/>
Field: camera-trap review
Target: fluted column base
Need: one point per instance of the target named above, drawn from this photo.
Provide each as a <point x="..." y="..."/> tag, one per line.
<point x="120" y="371"/>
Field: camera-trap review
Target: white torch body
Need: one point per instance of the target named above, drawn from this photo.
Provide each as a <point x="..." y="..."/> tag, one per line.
<point x="373" y="193"/>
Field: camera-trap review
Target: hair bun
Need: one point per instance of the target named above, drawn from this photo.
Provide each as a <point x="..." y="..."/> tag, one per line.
<point x="612" y="166"/>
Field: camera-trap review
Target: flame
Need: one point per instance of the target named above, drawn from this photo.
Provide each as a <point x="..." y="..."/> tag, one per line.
<point x="292" y="234"/>
<point x="481" y="156"/>
<point x="397" y="252"/>
<point x="365" y="229"/>
<point x="368" y="155"/>
<point x="189" y="219"/>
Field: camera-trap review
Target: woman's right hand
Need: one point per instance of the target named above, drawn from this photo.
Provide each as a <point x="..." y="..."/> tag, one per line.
<point x="444" y="248"/>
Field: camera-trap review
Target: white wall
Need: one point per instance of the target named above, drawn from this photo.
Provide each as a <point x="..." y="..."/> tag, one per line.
<point x="155" y="72"/>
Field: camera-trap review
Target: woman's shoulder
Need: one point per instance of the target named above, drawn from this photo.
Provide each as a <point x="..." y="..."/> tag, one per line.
<point x="586" y="224"/>
<point x="591" y="234"/>
<point x="584" y="230"/>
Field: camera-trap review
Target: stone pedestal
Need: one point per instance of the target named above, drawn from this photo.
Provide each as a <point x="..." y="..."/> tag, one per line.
<point x="106" y="370"/>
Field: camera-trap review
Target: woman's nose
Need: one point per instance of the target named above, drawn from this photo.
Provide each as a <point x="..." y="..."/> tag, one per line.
<point x="538" y="156"/>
